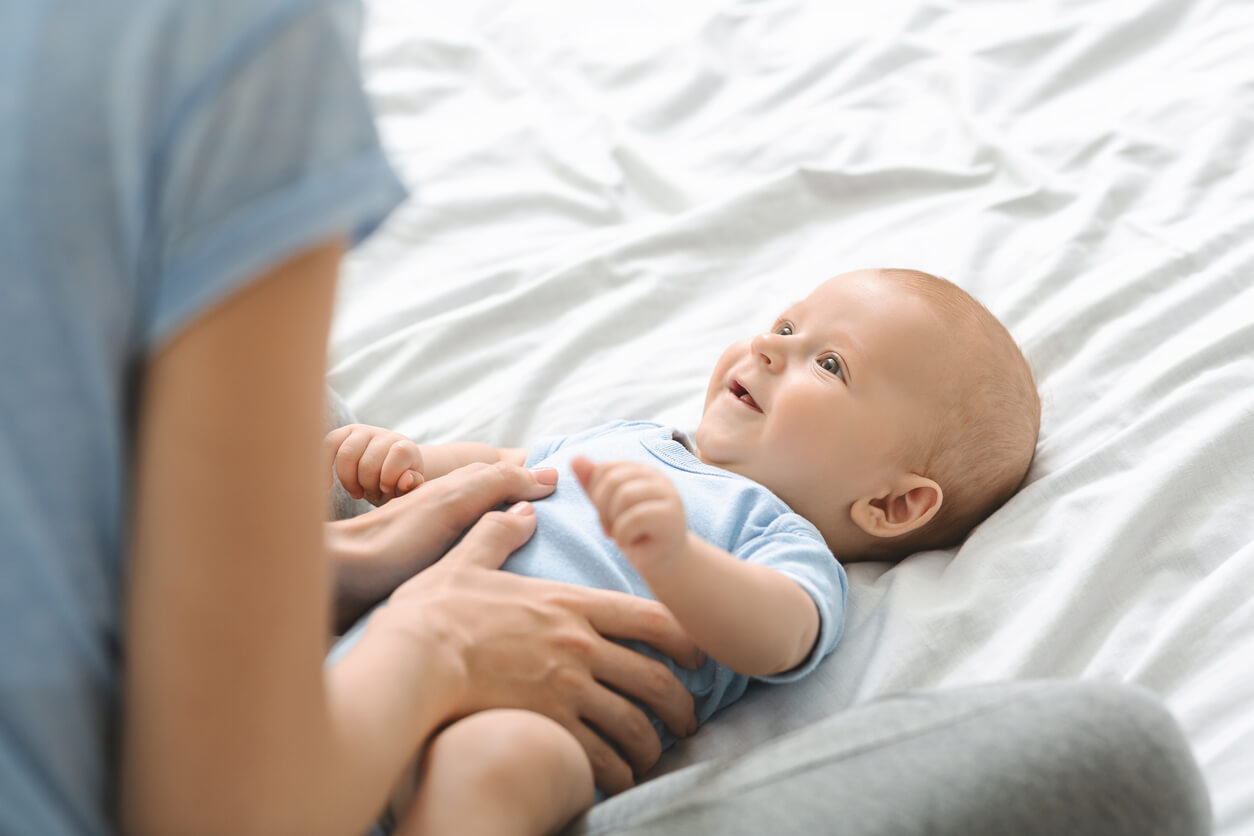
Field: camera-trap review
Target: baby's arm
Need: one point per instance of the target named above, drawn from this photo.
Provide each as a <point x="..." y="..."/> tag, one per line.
<point x="379" y="464"/>
<point x="753" y="619"/>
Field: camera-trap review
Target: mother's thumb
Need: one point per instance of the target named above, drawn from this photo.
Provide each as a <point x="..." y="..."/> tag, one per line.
<point x="495" y="537"/>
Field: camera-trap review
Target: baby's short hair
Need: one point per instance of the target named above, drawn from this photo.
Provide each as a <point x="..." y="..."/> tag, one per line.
<point x="981" y="440"/>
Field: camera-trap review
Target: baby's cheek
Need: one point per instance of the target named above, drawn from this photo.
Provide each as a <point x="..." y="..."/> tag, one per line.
<point x="796" y="455"/>
<point x="816" y="447"/>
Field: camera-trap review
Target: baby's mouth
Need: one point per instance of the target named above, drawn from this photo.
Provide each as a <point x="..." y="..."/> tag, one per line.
<point x="742" y="394"/>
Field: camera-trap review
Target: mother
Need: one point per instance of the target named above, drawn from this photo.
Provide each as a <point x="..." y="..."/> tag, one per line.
<point x="178" y="181"/>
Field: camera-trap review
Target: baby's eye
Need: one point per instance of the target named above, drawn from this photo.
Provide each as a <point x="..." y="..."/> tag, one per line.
<point x="784" y="329"/>
<point x="831" y="365"/>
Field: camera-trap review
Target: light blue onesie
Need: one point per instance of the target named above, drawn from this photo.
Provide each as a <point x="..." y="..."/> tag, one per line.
<point x="723" y="508"/>
<point x="155" y="156"/>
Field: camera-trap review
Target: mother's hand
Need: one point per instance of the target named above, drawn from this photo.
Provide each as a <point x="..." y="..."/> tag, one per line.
<point x="540" y="645"/>
<point x="376" y="551"/>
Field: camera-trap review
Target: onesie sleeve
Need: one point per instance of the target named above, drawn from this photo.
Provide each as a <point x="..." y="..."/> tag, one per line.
<point x="270" y="148"/>
<point x="792" y="546"/>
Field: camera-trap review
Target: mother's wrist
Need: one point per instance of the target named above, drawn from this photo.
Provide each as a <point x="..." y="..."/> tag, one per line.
<point x="406" y="675"/>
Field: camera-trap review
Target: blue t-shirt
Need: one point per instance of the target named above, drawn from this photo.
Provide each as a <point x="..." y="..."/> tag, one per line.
<point x="723" y="508"/>
<point x="155" y="156"/>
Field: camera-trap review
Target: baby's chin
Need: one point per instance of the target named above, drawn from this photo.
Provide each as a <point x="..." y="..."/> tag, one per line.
<point x="715" y="456"/>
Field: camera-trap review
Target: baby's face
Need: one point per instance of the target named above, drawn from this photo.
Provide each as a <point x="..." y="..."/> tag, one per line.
<point x="822" y="407"/>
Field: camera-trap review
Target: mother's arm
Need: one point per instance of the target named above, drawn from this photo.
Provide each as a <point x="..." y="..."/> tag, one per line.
<point x="231" y="722"/>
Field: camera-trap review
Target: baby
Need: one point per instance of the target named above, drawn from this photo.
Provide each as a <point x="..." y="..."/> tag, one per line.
<point x="886" y="413"/>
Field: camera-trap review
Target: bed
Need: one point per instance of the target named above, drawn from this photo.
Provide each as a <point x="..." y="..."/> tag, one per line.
<point x="605" y="194"/>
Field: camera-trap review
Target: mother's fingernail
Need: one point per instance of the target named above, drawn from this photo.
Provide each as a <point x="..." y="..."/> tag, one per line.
<point x="522" y="508"/>
<point x="545" y="475"/>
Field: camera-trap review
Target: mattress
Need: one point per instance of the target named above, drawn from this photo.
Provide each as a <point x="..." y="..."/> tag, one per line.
<point x="604" y="195"/>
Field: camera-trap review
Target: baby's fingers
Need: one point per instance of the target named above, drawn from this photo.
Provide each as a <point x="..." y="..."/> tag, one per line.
<point x="584" y="471"/>
<point x="599" y="482"/>
<point x="639" y="526"/>
<point x="348" y="458"/>
<point x="330" y="448"/>
<point x="617" y="487"/>
<point x="402" y="469"/>
<point x="630" y="494"/>
<point x="370" y="468"/>
<point x="409" y="480"/>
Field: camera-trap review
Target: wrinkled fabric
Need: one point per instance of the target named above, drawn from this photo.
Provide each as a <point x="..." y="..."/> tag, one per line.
<point x="613" y="193"/>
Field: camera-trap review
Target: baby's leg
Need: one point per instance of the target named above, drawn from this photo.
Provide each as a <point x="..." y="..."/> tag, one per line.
<point x="498" y="773"/>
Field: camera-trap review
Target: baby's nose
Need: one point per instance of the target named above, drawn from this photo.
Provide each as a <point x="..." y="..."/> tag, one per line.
<point x="764" y="348"/>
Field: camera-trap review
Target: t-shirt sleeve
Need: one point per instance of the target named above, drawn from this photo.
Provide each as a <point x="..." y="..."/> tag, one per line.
<point x="792" y="546"/>
<point x="270" y="148"/>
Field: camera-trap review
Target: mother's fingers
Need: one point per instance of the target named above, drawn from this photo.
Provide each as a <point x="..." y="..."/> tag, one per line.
<point x="624" y="616"/>
<point x="611" y="772"/>
<point x="426" y="522"/>
<point x="495" y="537"/>
<point x="469" y="491"/>
<point x="649" y="681"/>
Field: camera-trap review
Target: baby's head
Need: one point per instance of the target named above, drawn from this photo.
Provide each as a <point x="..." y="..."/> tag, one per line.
<point x="888" y="407"/>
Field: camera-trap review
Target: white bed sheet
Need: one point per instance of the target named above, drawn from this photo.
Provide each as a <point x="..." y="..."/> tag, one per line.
<point x="606" y="194"/>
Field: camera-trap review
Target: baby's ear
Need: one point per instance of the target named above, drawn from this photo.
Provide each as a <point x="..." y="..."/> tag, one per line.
<point x="910" y="503"/>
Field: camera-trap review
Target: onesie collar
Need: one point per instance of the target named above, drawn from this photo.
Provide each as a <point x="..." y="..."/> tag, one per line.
<point x="673" y="446"/>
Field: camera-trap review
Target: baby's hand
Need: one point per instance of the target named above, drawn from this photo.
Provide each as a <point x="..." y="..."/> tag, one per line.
<point x="372" y="462"/>
<point x="639" y="507"/>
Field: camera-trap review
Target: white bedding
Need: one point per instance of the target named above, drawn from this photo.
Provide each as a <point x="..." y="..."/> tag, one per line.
<point x="607" y="193"/>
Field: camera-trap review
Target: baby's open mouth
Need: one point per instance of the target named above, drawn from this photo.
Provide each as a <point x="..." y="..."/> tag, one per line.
<point x="742" y="394"/>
